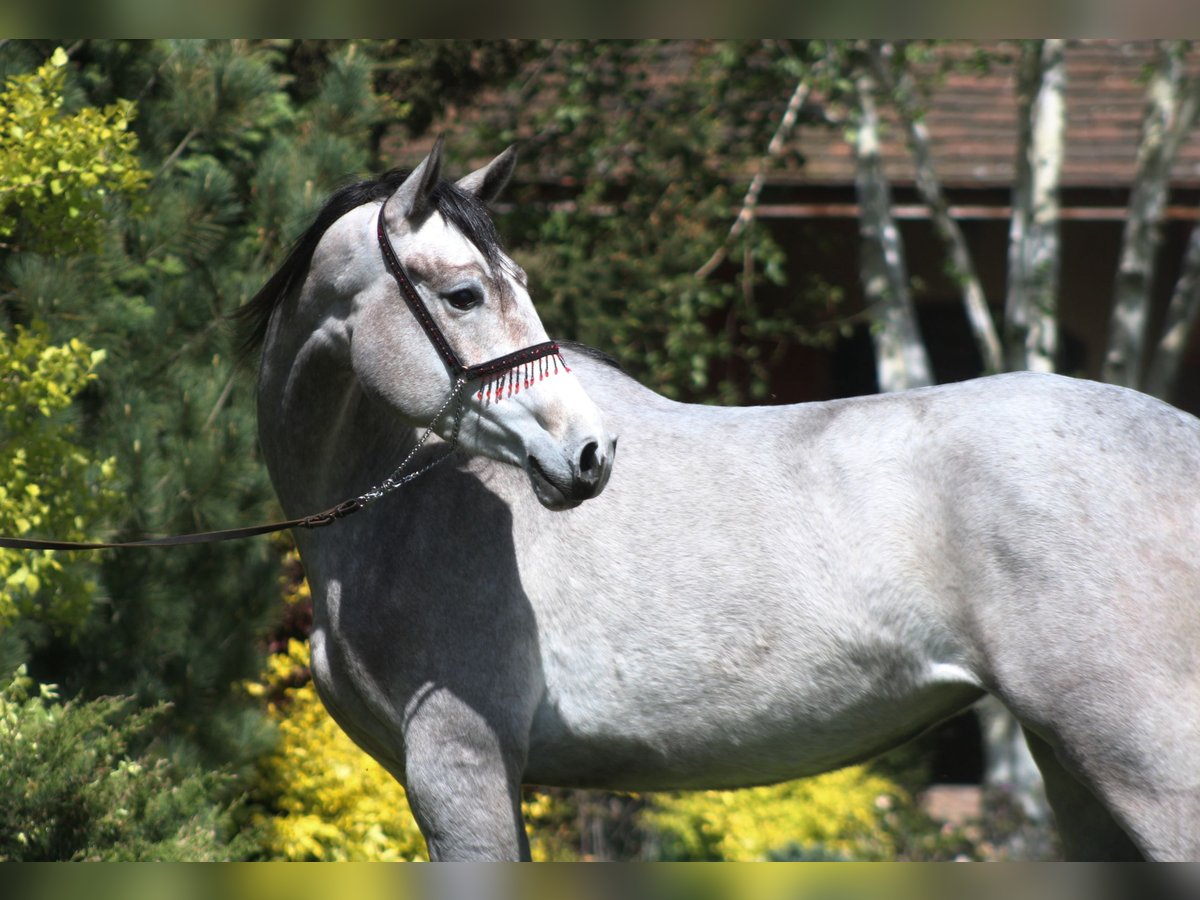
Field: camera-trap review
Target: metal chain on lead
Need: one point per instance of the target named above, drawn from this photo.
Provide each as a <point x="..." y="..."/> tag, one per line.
<point x="397" y="478"/>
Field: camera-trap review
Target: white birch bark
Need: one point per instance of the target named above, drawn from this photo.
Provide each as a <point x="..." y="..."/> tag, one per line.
<point x="900" y="357"/>
<point x="902" y="92"/>
<point x="1031" y="308"/>
<point x="1170" y="113"/>
<point x="1029" y="66"/>
<point x="1008" y="764"/>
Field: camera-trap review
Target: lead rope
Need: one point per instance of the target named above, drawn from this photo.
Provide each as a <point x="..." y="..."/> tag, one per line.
<point x="397" y="479"/>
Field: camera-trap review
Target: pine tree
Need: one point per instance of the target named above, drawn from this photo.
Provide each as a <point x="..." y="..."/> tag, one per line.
<point x="77" y="787"/>
<point x="238" y="165"/>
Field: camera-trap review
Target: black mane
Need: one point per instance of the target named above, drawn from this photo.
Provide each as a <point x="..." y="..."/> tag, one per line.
<point x="591" y="352"/>
<point x="462" y="210"/>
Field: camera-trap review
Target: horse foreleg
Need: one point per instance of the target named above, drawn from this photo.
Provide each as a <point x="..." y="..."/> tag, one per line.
<point x="463" y="783"/>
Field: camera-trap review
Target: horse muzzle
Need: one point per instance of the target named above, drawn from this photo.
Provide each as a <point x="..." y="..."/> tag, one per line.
<point x="581" y="474"/>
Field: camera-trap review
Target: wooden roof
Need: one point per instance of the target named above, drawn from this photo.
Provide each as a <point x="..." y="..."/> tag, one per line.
<point x="971" y="117"/>
<point x="972" y="123"/>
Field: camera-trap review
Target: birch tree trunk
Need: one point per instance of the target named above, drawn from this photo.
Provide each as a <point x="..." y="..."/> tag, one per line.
<point x="902" y="91"/>
<point x="900" y="357"/>
<point x="1170" y="113"/>
<point x="1029" y="66"/>
<point x="1031" y="308"/>
<point x="1008" y="765"/>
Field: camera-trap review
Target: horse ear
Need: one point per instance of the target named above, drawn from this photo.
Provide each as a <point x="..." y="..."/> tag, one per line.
<point x="488" y="182"/>
<point x="413" y="200"/>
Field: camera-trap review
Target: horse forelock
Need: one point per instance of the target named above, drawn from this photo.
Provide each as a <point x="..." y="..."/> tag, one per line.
<point x="462" y="210"/>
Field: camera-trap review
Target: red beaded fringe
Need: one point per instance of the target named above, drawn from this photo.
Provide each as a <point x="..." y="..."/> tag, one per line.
<point x="495" y="388"/>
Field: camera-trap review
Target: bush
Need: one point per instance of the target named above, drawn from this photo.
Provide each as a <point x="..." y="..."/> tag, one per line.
<point x="48" y="483"/>
<point x="58" y="170"/>
<point x="74" y="792"/>
<point x="834" y="816"/>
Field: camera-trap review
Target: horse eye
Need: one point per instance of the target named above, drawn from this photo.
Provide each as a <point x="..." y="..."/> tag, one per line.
<point x="464" y="298"/>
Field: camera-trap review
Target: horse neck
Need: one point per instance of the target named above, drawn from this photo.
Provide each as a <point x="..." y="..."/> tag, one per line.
<point x="324" y="438"/>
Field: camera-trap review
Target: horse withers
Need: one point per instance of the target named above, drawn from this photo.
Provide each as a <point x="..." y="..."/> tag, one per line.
<point x="750" y="594"/>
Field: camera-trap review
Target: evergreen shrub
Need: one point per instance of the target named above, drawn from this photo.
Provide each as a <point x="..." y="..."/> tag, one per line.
<point x="74" y="789"/>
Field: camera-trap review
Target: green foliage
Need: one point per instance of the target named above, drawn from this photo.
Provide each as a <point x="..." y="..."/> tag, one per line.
<point x="833" y="816"/>
<point x="49" y="484"/>
<point x="58" y="170"/>
<point x="74" y="787"/>
<point x="73" y="790"/>
<point x="428" y="77"/>
<point x="653" y="147"/>
<point x="240" y="162"/>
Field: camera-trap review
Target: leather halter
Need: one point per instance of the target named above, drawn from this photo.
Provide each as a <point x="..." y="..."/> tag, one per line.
<point x="436" y="337"/>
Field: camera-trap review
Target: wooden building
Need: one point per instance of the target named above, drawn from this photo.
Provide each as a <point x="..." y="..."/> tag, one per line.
<point x="972" y="120"/>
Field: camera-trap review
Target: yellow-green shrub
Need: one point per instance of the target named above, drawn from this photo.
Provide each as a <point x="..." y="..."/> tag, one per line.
<point x="837" y="815"/>
<point x="58" y="169"/>
<point x="48" y="483"/>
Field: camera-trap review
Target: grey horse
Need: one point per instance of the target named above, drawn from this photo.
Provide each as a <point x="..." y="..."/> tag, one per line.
<point x="748" y="594"/>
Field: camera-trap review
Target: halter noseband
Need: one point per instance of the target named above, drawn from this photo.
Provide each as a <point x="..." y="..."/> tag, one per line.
<point x="500" y="376"/>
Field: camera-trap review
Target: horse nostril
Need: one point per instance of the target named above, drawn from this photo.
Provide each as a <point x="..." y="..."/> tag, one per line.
<point x="589" y="460"/>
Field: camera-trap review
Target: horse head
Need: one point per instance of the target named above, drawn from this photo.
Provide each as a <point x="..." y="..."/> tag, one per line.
<point x="444" y="291"/>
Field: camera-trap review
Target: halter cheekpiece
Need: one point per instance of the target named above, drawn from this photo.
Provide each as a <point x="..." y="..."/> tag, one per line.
<point x="500" y="377"/>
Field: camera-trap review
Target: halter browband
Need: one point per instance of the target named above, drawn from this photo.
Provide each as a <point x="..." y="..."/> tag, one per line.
<point x="491" y="371"/>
